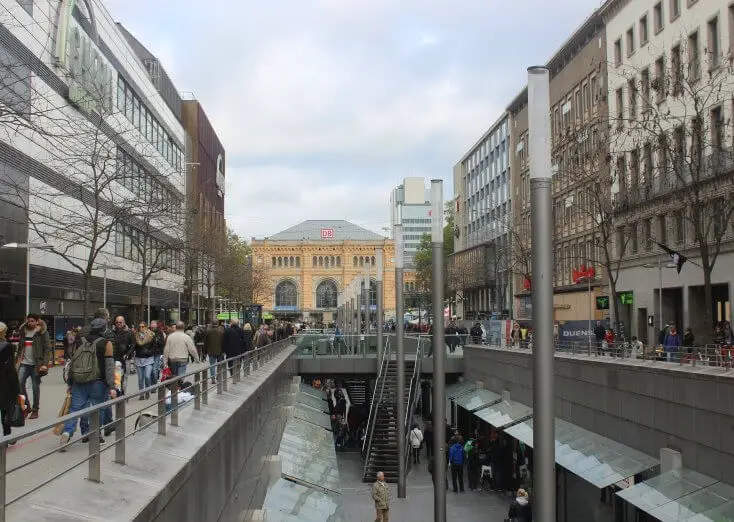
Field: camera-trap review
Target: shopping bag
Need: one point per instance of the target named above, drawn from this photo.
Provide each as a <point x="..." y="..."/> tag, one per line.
<point x="59" y="428"/>
<point x="17" y="416"/>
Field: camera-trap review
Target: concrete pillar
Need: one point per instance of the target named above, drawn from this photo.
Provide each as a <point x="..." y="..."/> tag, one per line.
<point x="272" y="469"/>
<point x="670" y="459"/>
<point x="687" y="319"/>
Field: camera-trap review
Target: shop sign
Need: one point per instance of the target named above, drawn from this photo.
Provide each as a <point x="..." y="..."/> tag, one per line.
<point x="626" y="298"/>
<point x="89" y="75"/>
<point x="602" y="302"/>
<point x="327" y="233"/>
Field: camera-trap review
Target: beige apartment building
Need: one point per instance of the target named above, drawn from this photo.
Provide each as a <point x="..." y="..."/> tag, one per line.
<point x="578" y="119"/>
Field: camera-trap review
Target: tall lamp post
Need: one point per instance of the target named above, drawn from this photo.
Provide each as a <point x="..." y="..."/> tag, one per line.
<point x="439" y="355"/>
<point x="150" y="280"/>
<point x="400" y="344"/>
<point x="104" y="268"/>
<point x="541" y="205"/>
<point x="28" y="247"/>
<point x="380" y="310"/>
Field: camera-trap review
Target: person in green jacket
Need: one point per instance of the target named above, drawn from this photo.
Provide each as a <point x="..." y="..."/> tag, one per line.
<point x="381" y="496"/>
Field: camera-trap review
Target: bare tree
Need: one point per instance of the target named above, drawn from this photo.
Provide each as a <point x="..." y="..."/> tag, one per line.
<point x="674" y="149"/>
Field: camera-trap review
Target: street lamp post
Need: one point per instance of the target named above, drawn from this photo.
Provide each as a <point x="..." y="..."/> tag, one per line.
<point x="439" y="355"/>
<point x="106" y="267"/>
<point x="541" y="205"/>
<point x="28" y="246"/>
<point x="400" y="344"/>
<point x="150" y="280"/>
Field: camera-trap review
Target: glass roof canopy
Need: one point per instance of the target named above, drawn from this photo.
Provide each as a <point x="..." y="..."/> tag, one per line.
<point x="308" y="456"/>
<point x="287" y="501"/>
<point x="311" y="401"/>
<point x="504" y="413"/>
<point x="312" y="415"/>
<point x="596" y="459"/>
<point x="310" y="390"/>
<point x="683" y="495"/>
<point x="477" y="399"/>
<point x="459" y="388"/>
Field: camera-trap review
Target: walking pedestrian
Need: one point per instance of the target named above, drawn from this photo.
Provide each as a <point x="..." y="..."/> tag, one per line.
<point x="456" y="460"/>
<point x="520" y="509"/>
<point x="428" y="438"/>
<point x="144" y="360"/>
<point x="416" y="440"/>
<point x="213" y="348"/>
<point x="9" y="384"/>
<point x="35" y="352"/>
<point x="179" y="347"/>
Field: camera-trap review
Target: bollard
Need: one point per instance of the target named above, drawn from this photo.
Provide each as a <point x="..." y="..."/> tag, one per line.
<point x="197" y="391"/>
<point x="174" y="405"/>
<point x="246" y="365"/>
<point x="162" y="410"/>
<point x="94" y="460"/>
<point x="205" y="386"/>
<point x="219" y="379"/>
<point x="120" y="432"/>
<point x="225" y="371"/>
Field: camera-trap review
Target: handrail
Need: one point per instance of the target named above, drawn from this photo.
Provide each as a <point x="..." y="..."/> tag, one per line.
<point x="412" y="397"/>
<point x="241" y="365"/>
<point x="380" y="374"/>
<point x="371" y="427"/>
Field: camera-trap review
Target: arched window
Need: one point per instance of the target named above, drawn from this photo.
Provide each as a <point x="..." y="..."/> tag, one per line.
<point x="275" y="262"/>
<point x="326" y="294"/>
<point x="361" y="260"/>
<point x="321" y="261"/>
<point x="298" y="261"/>
<point x="332" y="261"/>
<point x="280" y="262"/>
<point x="314" y="261"/>
<point x="339" y="261"/>
<point x="373" y="293"/>
<point x="291" y="262"/>
<point x="355" y="260"/>
<point x="373" y="261"/>
<point x="286" y="294"/>
<point x="326" y="261"/>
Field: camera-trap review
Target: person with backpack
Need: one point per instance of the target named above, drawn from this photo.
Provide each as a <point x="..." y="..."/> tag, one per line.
<point x="456" y="460"/>
<point x="416" y="441"/>
<point x="91" y="377"/>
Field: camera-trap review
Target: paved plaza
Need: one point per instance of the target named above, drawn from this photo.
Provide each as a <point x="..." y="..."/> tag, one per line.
<point x="418" y="507"/>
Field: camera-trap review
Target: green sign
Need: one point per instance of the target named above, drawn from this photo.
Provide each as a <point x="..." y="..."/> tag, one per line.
<point x="626" y="298"/>
<point x="602" y="302"/>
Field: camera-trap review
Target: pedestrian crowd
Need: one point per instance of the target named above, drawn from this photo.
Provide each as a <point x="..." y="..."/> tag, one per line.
<point x="100" y="356"/>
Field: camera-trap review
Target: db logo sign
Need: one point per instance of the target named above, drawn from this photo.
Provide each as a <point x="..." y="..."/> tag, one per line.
<point x="327" y="233"/>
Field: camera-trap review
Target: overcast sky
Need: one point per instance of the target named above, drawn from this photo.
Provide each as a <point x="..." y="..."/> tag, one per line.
<point x="324" y="105"/>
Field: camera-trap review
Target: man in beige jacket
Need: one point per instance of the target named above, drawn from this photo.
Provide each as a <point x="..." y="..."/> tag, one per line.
<point x="381" y="496"/>
<point x="178" y="348"/>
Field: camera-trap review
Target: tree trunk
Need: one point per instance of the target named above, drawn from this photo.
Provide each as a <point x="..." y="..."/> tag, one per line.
<point x="613" y="302"/>
<point x="87" y="296"/>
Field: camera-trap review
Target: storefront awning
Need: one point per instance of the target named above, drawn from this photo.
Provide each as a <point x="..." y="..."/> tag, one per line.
<point x="477" y="399"/>
<point x="596" y="459"/>
<point x="505" y="413"/>
<point x="287" y="501"/>
<point x="683" y="495"/>
<point x="459" y="388"/>
<point x="308" y="456"/>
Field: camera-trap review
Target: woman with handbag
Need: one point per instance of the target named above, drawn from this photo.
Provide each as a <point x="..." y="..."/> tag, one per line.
<point x="9" y="383"/>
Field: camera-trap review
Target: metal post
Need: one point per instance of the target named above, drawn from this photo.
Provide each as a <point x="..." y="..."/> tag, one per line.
<point x="591" y="311"/>
<point x="149" y="303"/>
<point x="205" y="386"/>
<point x="28" y="275"/>
<point x="355" y="327"/>
<point x="162" y="410"/>
<point x="439" y="356"/>
<point x="179" y="306"/>
<point x="541" y="204"/>
<point x="660" y="297"/>
<point x="380" y="310"/>
<point x="218" y="373"/>
<point x="197" y="390"/>
<point x="400" y="357"/>
<point x="104" y="287"/>
<point x="120" y="432"/>
<point x="95" y="472"/>
<point x="174" y="404"/>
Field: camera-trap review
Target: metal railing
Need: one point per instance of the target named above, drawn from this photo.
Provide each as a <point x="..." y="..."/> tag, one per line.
<point x="241" y="366"/>
<point x="375" y="406"/>
<point x="710" y="355"/>
<point x="328" y="344"/>
<point x="413" y="397"/>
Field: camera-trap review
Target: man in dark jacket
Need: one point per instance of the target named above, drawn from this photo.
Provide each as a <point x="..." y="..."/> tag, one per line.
<point x="35" y="352"/>
<point x="123" y="341"/>
<point x="233" y="344"/>
<point x="159" y="343"/>
<point x="213" y="348"/>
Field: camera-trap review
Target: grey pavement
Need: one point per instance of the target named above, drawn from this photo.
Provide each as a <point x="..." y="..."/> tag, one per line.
<point x="53" y="393"/>
<point x="469" y="506"/>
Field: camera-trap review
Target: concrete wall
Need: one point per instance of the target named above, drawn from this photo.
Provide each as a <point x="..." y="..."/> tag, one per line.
<point x="645" y="405"/>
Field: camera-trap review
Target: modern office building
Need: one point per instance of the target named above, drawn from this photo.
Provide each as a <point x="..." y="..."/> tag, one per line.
<point x="411" y="201"/>
<point x="310" y="264"/>
<point x="670" y="63"/>
<point x="480" y="271"/>
<point x="91" y="168"/>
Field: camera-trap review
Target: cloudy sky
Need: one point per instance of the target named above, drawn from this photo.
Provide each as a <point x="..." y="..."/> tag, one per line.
<point x="324" y="105"/>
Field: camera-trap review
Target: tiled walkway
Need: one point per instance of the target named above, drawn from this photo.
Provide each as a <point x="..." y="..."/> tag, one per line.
<point x="418" y="507"/>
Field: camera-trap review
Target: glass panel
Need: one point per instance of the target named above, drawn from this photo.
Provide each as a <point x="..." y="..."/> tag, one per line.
<point x="313" y="402"/>
<point x="459" y="388"/>
<point x="723" y="512"/>
<point x="504" y="413"/>
<point x="310" y="390"/>
<point x="308" y="456"/>
<point x="287" y="501"/>
<point x="692" y="506"/>
<point x="477" y="399"/>
<point x="665" y="488"/>
<point x="313" y="416"/>
<point x="522" y="432"/>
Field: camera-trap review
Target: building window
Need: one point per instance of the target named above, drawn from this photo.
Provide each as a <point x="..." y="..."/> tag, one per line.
<point x="315" y="262"/>
<point x="717" y="131"/>
<point x="632" y="94"/>
<point x="620" y="106"/>
<point x="694" y="57"/>
<point x="644" y="36"/>
<point x="674" y="9"/>
<point x="275" y="262"/>
<point x="630" y="41"/>
<point x="298" y="261"/>
<point x="373" y="293"/>
<point x="339" y="261"/>
<point x="657" y="17"/>
<point x="286" y="294"/>
<point x="659" y="81"/>
<point x="714" y="46"/>
<point x="680" y="228"/>
<point x="355" y="260"/>
<point x="620" y="242"/>
<point x="326" y="294"/>
<point x="645" y="86"/>
<point x="373" y="261"/>
<point x="593" y="91"/>
<point x="618" y="52"/>
<point x="647" y="235"/>
<point x="663" y="229"/>
<point x="280" y="262"/>
<point x="321" y="261"/>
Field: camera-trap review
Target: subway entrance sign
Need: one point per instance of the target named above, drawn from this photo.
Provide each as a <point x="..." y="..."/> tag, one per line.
<point x="626" y="298"/>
